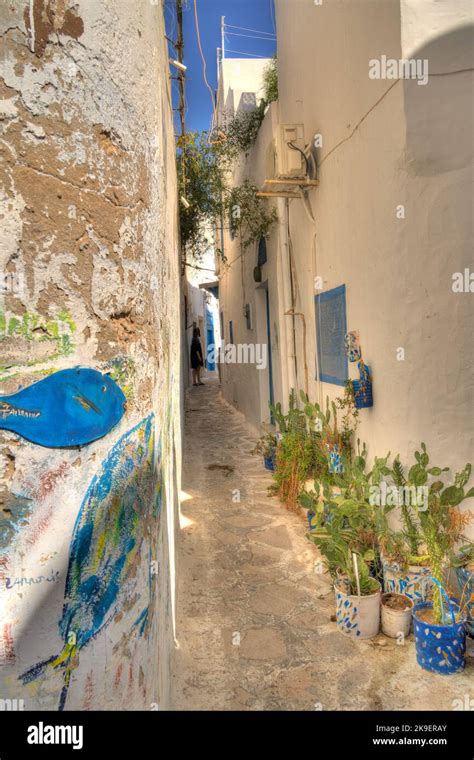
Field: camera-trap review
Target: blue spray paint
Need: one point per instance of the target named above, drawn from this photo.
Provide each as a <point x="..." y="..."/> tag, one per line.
<point x="72" y="407"/>
<point x="115" y="528"/>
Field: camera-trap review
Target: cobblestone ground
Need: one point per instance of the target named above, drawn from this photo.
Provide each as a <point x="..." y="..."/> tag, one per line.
<point x="254" y="619"/>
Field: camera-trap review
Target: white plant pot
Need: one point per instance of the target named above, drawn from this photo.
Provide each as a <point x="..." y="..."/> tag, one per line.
<point x="358" y="616"/>
<point x="413" y="581"/>
<point x="396" y="622"/>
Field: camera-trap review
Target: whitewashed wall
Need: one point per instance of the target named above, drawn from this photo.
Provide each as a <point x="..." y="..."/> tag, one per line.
<point x="385" y="144"/>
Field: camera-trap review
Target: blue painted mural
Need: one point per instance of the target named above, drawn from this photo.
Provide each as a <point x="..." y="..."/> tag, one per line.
<point x="72" y="407"/>
<point x="115" y="533"/>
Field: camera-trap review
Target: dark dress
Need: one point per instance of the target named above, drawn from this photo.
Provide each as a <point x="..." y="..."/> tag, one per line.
<point x="196" y="354"/>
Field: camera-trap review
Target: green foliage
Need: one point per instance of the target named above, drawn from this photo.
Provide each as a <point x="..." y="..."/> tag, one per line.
<point x="202" y="175"/>
<point x="270" y="81"/>
<point x="347" y="518"/>
<point x="441" y="525"/>
<point x="238" y="134"/>
<point x="35" y="328"/>
<point x="411" y="532"/>
<point x="201" y="183"/>
<point x="266" y="445"/>
<point x="302" y="453"/>
<point x="250" y="217"/>
<point x="347" y="531"/>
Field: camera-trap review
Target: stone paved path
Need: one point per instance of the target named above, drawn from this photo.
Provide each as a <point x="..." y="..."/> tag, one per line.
<point x="254" y="618"/>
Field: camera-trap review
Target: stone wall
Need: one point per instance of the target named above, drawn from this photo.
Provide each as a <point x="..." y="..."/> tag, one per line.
<point x="89" y="272"/>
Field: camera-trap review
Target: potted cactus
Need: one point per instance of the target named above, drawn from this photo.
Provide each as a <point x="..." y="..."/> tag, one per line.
<point x="266" y="447"/>
<point x="439" y="625"/>
<point x="463" y="563"/>
<point x="405" y="562"/>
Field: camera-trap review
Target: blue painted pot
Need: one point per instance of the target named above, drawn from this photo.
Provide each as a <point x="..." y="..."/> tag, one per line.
<point x="413" y="581"/>
<point x="466" y="580"/>
<point x="439" y="648"/>
<point x="363" y="398"/>
<point x="357" y="616"/>
<point x="334" y="458"/>
<point x="269" y="462"/>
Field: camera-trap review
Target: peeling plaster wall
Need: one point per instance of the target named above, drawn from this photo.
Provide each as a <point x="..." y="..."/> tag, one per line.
<point x="89" y="275"/>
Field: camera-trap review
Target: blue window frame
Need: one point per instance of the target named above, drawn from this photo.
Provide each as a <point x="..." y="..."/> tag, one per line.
<point x="262" y="252"/>
<point x="331" y="326"/>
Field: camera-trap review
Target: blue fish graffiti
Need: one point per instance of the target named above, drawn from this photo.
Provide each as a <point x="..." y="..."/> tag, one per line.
<point x="114" y="533"/>
<point x="72" y="407"/>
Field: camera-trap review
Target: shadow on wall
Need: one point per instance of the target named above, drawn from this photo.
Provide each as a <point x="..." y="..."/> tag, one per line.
<point x="440" y="114"/>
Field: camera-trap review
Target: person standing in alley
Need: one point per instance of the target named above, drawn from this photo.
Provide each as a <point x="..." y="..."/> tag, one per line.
<point x="196" y="357"/>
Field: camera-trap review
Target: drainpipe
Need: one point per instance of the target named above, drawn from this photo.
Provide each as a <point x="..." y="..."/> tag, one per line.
<point x="287" y="346"/>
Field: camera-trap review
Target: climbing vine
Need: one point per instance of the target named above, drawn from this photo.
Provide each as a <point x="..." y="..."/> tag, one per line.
<point x="204" y="163"/>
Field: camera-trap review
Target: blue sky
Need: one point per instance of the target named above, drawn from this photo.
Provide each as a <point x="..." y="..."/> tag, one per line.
<point x="251" y="14"/>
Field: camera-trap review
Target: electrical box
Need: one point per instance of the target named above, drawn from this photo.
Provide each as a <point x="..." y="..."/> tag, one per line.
<point x="289" y="160"/>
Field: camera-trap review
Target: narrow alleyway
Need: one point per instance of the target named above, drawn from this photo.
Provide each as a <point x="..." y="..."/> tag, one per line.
<point x="254" y="618"/>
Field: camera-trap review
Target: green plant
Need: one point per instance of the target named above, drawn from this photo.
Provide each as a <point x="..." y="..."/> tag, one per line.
<point x="300" y="453"/>
<point x="202" y="184"/>
<point x="238" y="134"/>
<point x="249" y="216"/>
<point x="270" y="81"/>
<point x="345" y="514"/>
<point x="338" y="541"/>
<point x="463" y="556"/>
<point x="441" y="523"/>
<point x="266" y="445"/>
<point x="413" y="538"/>
<point x="350" y="416"/>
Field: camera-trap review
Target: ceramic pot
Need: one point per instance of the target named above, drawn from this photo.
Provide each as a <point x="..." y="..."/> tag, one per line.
<point x="396" y="622"/>
<point x="358" y="616"/>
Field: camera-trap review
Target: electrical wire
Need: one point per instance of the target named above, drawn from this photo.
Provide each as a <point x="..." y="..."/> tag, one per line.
<point x="295" y="147"/>
<point x="241" y="52"/>
<point x="211" y="91"/>
<point x="250" y="36"/>
<point x="246" y="29"/>
<point x="272" y="16"/>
